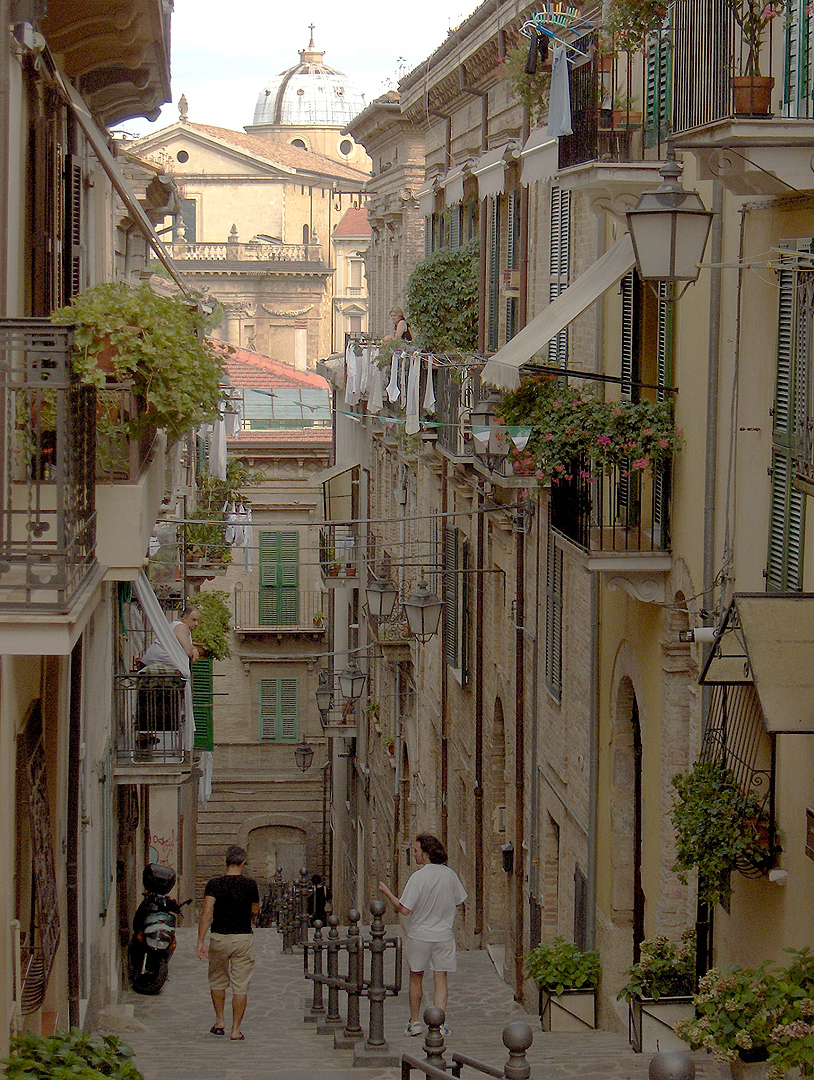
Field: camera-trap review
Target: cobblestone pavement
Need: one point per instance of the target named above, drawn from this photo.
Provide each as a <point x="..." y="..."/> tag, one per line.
<point x="170" y="1032"/>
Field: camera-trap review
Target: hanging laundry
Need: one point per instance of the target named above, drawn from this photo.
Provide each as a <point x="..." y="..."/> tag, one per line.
<point x="393" y="392"/>
<point x="429" y="390"/>
<point x="412" y="425"/>
<point x="351" y="376"/>
<point x="375" y="399"/>
<point x="403" y="379"/>
<point x="230" y="532"/>
<point x="217" y="450"/>
<point x="364" y="370"/>
<point x="233" y="416"/>
<point x="559" y="96"/>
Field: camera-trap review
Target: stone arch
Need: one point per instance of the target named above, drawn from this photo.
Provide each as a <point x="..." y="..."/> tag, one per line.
<point x="274" y="841"/>
<point x="624" y="739"/>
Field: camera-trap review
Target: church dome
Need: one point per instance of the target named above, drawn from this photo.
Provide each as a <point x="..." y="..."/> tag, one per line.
<point x="310" y="93"/>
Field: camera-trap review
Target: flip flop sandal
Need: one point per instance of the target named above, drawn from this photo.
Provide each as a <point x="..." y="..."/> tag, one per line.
<point x="238" y="1038"/>
<point x="215" y="1030"/>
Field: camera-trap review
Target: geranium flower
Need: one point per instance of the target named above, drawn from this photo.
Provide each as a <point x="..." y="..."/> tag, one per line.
<point x="641" y="463"/>
<point x="604" y="440"/>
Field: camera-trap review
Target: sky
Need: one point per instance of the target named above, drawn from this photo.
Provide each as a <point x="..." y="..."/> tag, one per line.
<point x="223" y="68"/>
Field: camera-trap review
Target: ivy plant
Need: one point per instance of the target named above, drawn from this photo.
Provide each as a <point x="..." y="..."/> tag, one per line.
<point x="66" y="1055"/>
<point x="442" y="297"/>
<point x="213" y="630"/>
<point x="533" y="89"/>
<point x="559" y="965"/>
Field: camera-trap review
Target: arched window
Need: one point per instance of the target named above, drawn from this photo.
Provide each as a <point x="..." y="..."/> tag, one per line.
<point x="305" y="234"/>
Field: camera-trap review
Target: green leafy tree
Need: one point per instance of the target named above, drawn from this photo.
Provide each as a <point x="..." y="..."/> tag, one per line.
<point x="442" y="297"/>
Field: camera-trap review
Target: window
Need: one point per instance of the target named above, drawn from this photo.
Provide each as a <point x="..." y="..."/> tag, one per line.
<point x="182" y="156"/>
<point x="305" y="234"/>
<point x="790" y="451"/>
<point x="798" y="73"/>
<point x="355" y="267"/>
<point x="279" y="600"/>
<point x="189" y="219"/>
<point x="279" y="710"/>
<point x="346" y="147"/>
<point x="455" y="225"/>
<point x="558" y="266"/>
<point x="553" y="617"/>
<point x="299" y="144"/>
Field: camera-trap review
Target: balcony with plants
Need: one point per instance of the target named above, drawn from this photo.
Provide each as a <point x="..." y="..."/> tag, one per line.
<point x="338" y="553"/>
<point x="608" y="464"/>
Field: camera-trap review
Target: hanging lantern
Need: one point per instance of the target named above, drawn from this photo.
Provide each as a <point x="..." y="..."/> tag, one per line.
<point x="423" y="610"/>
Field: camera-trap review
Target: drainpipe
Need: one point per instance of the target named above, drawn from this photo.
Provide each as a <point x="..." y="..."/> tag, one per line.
<point x="72" y="831"/>
<point x="534" y="794"/>
<point x="479" y="667"/>
<point x="519" y="757"/>
<point x="4" y="159"/>
<point x="593" y="769"/>
<point x="444" y="678"/>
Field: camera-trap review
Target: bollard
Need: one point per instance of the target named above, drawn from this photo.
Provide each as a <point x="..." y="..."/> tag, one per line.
<point x="332" y="1019"/>
<point x="517" y="1038"/>
<point x="376" y="991"/>
<point x="318" y="1005"/>
<point x="434" y="1039"/>
<point x="353" y="1028"/>
<point x="672" y="1065"/>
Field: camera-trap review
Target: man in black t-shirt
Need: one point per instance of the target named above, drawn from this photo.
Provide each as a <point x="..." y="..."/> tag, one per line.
<point x="230" y="903"/>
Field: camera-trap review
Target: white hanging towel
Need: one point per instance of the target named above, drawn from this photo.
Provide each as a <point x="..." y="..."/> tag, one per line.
<point x="375" y="399"/>
<point x="412" y="425"/>
<point x="393" y="392"/>
<point x="429" y="390"/>
<point x="217" y="450"/>
<point x="352" y="376"/>
<point x="233" y="415"/>
<point x="364" y="370"/>
<point x="559" y="96"/>
<point x="403" y="379"/>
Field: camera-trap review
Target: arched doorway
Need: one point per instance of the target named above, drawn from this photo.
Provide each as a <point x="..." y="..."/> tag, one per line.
<point x="628" y="898"/>
<point x="273" y="847"/>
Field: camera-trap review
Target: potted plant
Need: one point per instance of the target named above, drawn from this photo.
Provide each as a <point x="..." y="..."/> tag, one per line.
<point x="659" y="992"/>
<point x="751" y="91"/>
<point x="213" y="629"/>
<point x="319" y="619"/>
<point x="623" y="113"/>
<point x="718" y="829"/>
<point x="157" y="344"/>
<point x="567" y="979"/>
<point x="68" y="1054"/>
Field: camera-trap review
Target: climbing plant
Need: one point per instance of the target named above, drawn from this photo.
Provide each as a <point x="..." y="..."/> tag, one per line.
<point x="442" y="297"/>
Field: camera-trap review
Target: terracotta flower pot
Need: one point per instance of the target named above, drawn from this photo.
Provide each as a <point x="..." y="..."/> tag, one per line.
<point x="752" y="95"/>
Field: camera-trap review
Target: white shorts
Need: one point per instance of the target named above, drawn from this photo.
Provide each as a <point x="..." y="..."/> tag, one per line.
<point x="435" y="955"/>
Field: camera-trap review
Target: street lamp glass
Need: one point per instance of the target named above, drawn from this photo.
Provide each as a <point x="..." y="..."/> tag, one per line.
<point x="351" y="682"/>
<point x="304" y="755"/>
<point x="423" y="610"/>
<point x="490" y="435"/>
<point x="381" y="595"/>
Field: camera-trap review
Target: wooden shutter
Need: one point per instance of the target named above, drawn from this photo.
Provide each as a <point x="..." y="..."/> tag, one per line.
<point x="559" y="257"/>
<point x="465" y="592"/>
<point x="455" y="215"/>
<point x="279" y="710"/>
<point x="451" y="597"/>
<point x="512" y="248"/>
<point x="494" y="271"/>
<point x="72" y="252"/>
<point x="202" y="703"/>
<point x="798" y="61"/>
<point x="658" y="87"/>
<point x="553" y="623"/>
<point x="279" y="564"/>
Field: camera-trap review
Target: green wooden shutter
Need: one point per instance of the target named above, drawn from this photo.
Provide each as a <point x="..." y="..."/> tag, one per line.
<point x="494" y="271"/>
<point x="455" y="215"/>
<point x="464" y="589"/>
<point x="202" y="703"/>
<point x="279" y="567"/>
<point x="553" y="621"/>
<point x="559" y="256"/>
<point x="664" y="369"/>
<point x="512" y="249"/>
<point x="451" y="597"/>
<point x="72" y="252"/>
<point x="658" y="87"/>
<point x="106" y="826"/>
<point x="279" y="710"/>
<point x="798" y="61"/>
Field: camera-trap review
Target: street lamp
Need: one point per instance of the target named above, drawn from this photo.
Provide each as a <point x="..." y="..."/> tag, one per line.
<point x="324" y="693"/>
<point x="669" y="228"/>
<point x="351" y="682"/>
<point x="381" y="595"/>
<point x="304" y="755"/>
<point x="490" y="434"/>
<point x="423" y="610"/>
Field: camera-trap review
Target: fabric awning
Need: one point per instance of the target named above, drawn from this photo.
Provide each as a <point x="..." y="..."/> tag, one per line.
<point x="490" y="170"/>
<point x="453" y="185"/>
<point x="426" y="198"/>
<point x="502" y="370"/>
<point x="768" y="640"/>
<point x="98" y="140"/>
<point x="539" y="157"/>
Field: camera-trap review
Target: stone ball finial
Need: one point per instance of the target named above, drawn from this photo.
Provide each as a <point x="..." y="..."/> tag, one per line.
<point x="433" y="1016"/>
<point x="517" y="1036"/>
<point x="377" y="907"/>
<point x="354" y="916"/>
<point x="672" y="1065"/>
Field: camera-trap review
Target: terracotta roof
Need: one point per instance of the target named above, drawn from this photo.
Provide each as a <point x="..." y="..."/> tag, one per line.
<point x="354" y="223"/>
<point x="280" y="153"/>
<point x="288" y="436"/>
<point x="249" y="371"/>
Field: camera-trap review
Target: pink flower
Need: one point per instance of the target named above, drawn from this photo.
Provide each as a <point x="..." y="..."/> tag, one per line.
<point x="616" y="410"/>
<point x="548" y="436"/>
<point x="664" y="443"/>
<point x="556" y="404"/>
<point x="569" y="476"/>
<point x="604" y="440"/>
<point x="540" y="474"/>
<point x="560" y="468"/>
<point x="641" y="463"/>
<point x="647" y="431"/>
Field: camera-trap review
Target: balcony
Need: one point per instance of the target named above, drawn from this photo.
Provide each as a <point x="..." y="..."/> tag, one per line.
<point x="338" y="554"/>
<point x="48" y="543"/>
<point x="618" y="524"/>
<point x="270" y="611"/>
<point x="151" y="737"/>
<point x="251" y="252"/>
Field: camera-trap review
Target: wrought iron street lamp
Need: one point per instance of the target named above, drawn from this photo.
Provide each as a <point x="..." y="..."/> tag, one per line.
<point x="423" y="610"/>
<point x="324" y="693"/>
<point x="669" y="228"/>
<point x="489" y="433"/>
<point x="304" y="755"/>
<point x="381" y="595"/>
<point x="352" y="682"/>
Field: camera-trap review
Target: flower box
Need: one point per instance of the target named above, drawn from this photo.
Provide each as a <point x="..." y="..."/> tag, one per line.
<point x="651" y="1023"/>
<point x="572" y="1010"/>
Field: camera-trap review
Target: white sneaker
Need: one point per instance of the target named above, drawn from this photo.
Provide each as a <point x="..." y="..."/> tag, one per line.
<point x="445" y="1031"/>
<point x="413" y="1028"/>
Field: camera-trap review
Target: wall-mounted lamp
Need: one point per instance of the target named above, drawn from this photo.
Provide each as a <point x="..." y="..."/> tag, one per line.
<point x="352" y="682"/>
<point x="507" y="851"/>
<point x="381" y="595"/>
<point x="324" y="693"/>
<point x="304" y="755"/>
<point x="669" y="228"/>
<point x="423" y="610"/>
<point x="488" y="432"/>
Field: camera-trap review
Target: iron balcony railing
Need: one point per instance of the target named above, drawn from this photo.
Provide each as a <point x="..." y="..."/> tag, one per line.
<point x="338" y="551"/>
<point x="47" y="548"/>
<point x="623" y="510"/>
<point x="280" y="610"/>
<point x="149" y="717"/>
<point x="125" y="439"/>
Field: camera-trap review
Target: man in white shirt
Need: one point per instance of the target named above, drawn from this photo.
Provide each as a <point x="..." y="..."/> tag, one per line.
<point x="431" y="897"/>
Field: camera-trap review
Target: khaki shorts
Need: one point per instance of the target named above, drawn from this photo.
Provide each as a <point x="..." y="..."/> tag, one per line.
<point x="231" y="962"/>
<point x="435" y="955"/>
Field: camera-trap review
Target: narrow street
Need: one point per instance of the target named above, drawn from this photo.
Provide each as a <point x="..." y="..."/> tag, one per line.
<point x="170" y="1032"/>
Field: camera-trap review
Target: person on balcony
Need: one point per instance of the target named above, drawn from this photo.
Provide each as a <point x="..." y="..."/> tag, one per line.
<point x="401" y="331"/>
<point x="183" y="629"/>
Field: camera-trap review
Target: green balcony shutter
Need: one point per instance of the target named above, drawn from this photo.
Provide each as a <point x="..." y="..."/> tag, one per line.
<point x="279" y="567"/>
<point x="279" y="710"/>
<point x="202" y="703"/>
<point x="494" y="271"/>
<point x="451" y="597"/>
<point x="559" y="257"/>
<point x="798" y="61"/>
<point x="658" y="87"/>
<point x="553" y="618"/>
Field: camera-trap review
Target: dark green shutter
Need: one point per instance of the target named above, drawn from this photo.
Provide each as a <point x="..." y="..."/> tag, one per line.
<point x="494" y="270"/>
<point x="559" y="261"/>
<point x="279" y="568"/>
<point x="451" y="597"/>
<point x="797" y="69"/>
<point x="658" y="87"/>
<point x="455" y="226"/>
<point x="553" y="622"/>
<point x="72" y="254"/>
<point x="279" y="710"/>
<point x="202" y="703"/>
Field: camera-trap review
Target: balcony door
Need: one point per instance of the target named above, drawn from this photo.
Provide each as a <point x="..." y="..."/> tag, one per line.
<point x="279" y="600"/>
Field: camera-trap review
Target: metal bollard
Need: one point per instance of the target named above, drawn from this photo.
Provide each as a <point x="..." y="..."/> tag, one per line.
<point x="376" y="991"/>
<point x="333" y="1016"/>
<point x="318" y="1006"/>
<point x="353" y="1027"/>
<point x="517" y="1038"/>
<point x="434" y="1039"/>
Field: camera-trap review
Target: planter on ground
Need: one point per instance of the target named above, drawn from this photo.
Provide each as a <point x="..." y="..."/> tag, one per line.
<point x="651" y="1023"/>
<point x="572" y="1010"/>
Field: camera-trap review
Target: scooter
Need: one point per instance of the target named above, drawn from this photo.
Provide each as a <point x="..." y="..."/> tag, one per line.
<point x="153" y="941"/>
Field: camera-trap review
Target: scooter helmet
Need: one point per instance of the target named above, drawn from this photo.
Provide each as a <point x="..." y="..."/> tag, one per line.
<point x="158" y="878"/>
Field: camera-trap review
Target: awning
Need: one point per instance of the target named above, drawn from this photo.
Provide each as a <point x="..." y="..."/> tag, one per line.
<point x="426" y="198"/>
<point x="768" y="640"/>
<point x="98" y="140"/>
<point x="490" y="169"/>
<point x="453" y="185"/>
<point x="502" y="370"/>
<point x="539" y="157"/>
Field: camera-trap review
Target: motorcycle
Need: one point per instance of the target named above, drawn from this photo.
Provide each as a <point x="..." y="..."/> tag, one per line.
<point x="153" y="941"/>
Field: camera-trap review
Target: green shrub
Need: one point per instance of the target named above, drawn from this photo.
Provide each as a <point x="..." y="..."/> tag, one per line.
<point x="69" y="1055"/>
<point x="213" y="630"/>
<point x="559" y="965"/>
<point x="666" y="968"/>
<point x="442" y="297"/>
